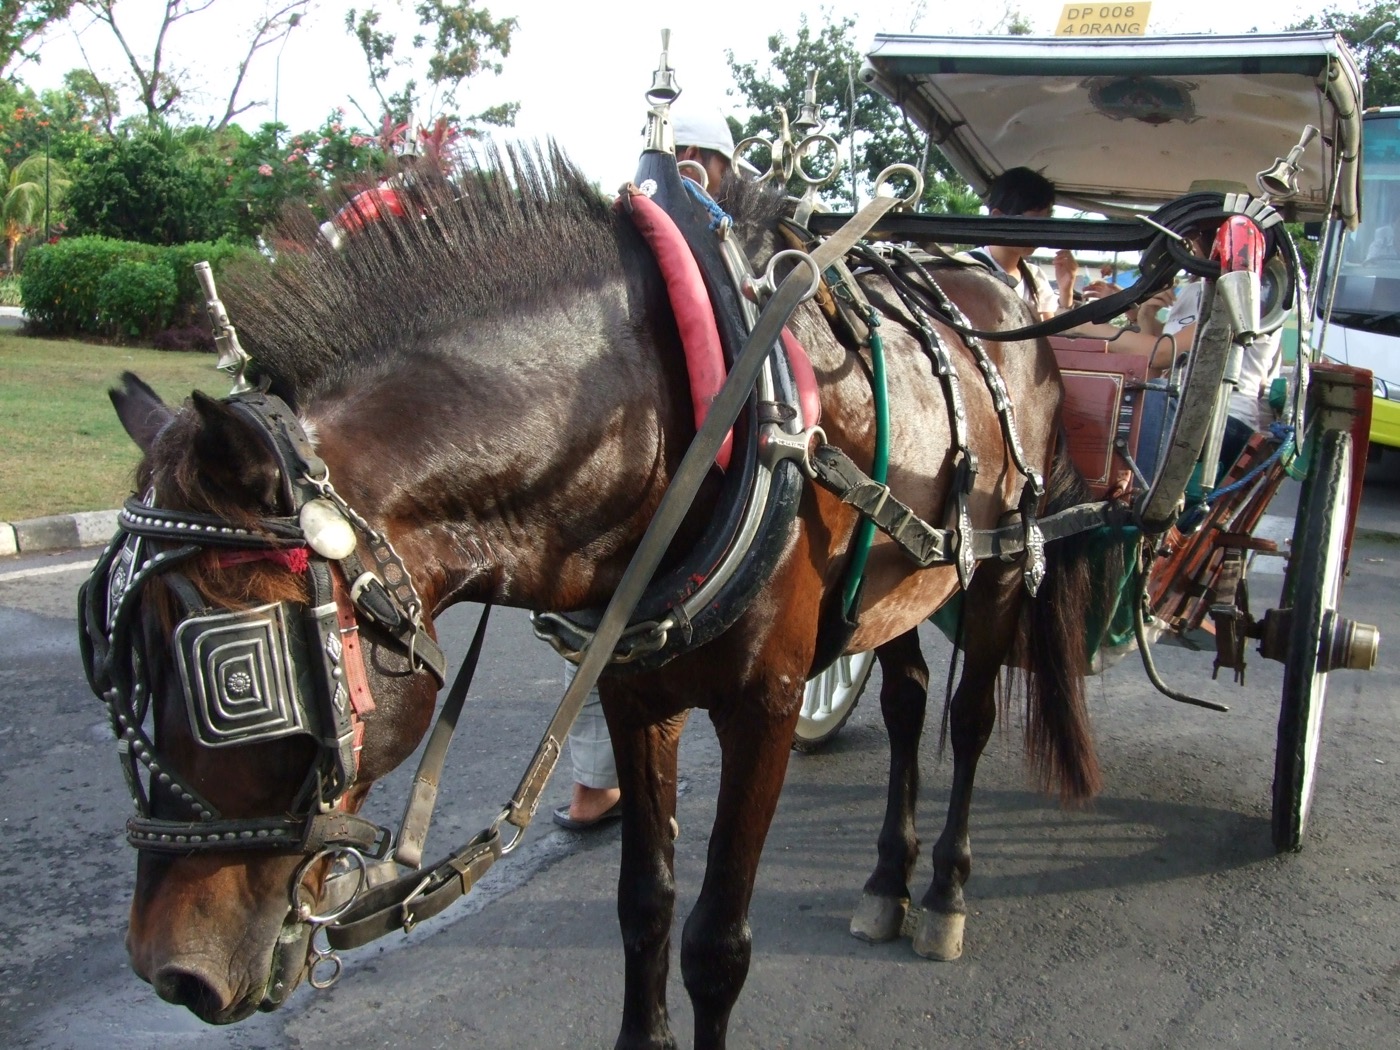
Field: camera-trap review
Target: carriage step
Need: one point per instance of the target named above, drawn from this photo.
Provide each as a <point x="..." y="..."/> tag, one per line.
<point x="1277" y="528"/>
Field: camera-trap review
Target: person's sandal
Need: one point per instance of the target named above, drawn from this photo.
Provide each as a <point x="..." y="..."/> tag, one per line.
<point x="562" y="818"/>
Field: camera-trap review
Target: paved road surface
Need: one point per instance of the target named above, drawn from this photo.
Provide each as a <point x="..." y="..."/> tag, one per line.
<point x="1158" y="917"/>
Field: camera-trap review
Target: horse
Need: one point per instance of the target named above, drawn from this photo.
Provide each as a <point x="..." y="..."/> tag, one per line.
<point x="493" y="391"/>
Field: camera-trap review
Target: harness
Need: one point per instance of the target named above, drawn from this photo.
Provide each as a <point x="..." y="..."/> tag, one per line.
<point x="257" y="674"/>
<point x="747" y="528"/>
<point x="269" y="672"/>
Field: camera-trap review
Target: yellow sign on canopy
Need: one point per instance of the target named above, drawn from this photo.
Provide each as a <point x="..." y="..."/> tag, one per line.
<point x="1103" y="20"/>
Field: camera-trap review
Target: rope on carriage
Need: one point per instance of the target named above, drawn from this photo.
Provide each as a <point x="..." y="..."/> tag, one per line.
<point x="1280" y="432"/>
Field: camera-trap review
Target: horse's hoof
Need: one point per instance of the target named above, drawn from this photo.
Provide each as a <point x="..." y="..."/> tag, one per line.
<point x="939" y="936"/>
<point x="879" y="919"/>
<point x="675" y="830"/>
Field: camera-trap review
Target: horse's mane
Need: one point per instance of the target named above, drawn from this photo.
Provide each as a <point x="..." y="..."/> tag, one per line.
<point x="755" y="208"/>
<point x="522" y="227"/>
<point x="499" y="237"/>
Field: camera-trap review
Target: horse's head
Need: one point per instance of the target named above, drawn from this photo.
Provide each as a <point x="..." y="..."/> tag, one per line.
<point x="221" y="630"/>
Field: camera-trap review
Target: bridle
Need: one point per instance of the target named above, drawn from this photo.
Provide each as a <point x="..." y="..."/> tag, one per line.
<point x="256" y="674"/>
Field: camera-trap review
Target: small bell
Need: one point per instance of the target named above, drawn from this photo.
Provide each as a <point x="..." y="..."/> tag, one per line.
<point x="663" y="82"/>
<point x="809" y="120"/>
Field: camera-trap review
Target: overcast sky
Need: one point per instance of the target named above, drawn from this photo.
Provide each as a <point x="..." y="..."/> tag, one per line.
<point x="578" y="69"/>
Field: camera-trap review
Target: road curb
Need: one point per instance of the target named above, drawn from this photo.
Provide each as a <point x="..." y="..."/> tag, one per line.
<point x="89" y="528"/>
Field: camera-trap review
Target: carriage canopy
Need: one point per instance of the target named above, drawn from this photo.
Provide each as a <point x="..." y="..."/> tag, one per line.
<point x="1124" y="124"/>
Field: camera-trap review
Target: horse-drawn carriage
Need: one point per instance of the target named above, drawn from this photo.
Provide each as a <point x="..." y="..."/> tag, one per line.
<point x="629" y="418"/>
<point x="1122" y="127"/>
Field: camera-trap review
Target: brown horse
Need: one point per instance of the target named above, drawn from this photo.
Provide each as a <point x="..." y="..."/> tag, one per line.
<point x="497" y="390"/>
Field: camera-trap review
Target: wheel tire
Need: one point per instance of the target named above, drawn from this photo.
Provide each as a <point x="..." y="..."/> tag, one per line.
<point x="828" y="700"/>
<point x="1315" y="585"/>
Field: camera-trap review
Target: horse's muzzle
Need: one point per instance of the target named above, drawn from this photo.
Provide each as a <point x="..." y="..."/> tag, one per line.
<point x="204" y="995"/>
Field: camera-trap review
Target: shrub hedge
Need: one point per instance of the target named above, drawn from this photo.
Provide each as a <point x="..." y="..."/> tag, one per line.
<point x="97" y="286"/>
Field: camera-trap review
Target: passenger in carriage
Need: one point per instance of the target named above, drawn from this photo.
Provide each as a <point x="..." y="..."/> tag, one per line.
<point x="1162" y="339"/>
<point x="702" y="137"/>
<point x="1021" y="191"/>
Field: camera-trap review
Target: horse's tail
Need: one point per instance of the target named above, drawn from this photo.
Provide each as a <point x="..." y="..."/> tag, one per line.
<point x="1052" y="643"/>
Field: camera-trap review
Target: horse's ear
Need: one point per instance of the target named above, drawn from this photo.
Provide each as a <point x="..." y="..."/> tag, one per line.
<point x="233" y="460"/>
<point x="140" y="409"/>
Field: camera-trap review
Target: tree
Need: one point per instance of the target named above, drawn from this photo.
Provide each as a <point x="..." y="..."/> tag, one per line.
<point x="156" y="185"/>
<point x="463" y="37"/>
<point x="30" y="187"/>
<point x="34" y="124"/>
<point x="875" y="132"/>
<point x="272" y="170"/>
<point x="161" y="88"/>
<point x="85" y="99"/>
<point x="21" y="24"/>
<point x="1373" y="43"/>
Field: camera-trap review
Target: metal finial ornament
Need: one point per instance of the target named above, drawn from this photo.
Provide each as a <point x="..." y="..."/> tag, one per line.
<point x="786" y="152"/>
<point x="233" y="359"/>
<point x="1281" y="180"/>
<point x="663" y="82"/>
<point x="808" y="117"/>
<point x="664" y="90"/>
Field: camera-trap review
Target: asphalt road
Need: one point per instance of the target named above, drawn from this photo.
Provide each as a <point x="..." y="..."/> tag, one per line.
<point x="1157" y="917"/>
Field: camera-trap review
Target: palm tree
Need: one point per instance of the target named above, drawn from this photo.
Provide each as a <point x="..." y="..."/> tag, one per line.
<point x="27" y="187"/>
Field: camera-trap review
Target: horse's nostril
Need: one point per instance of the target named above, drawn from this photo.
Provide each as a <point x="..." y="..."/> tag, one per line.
<point x="190" y="990"/>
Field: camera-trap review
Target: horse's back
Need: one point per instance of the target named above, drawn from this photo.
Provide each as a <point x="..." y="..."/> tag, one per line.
<point x="924" y="452"/>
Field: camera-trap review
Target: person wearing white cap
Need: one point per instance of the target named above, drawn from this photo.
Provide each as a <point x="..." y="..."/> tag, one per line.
<point x="702" y="138"/>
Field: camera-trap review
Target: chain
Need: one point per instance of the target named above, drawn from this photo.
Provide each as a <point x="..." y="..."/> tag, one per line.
<point x="392" y="569"/>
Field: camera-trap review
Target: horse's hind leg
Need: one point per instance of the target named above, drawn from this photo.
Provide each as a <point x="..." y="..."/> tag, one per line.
<point x="883" y="906"/>
<point x="991" y="607"/>
<point x="646" y="890"/>
<point x="755" y="741"/>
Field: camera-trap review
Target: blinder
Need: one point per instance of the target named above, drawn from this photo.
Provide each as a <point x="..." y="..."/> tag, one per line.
<point x="237" y="672"/>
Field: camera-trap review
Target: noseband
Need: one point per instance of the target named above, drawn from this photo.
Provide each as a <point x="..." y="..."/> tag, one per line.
<point x="257" y="674"/>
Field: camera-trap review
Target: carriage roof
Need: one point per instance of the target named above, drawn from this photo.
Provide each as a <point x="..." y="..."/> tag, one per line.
<point x="1128" y="123"/>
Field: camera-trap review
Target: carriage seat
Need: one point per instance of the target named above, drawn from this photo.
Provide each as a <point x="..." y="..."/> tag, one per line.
<point x="1106" y="400"/>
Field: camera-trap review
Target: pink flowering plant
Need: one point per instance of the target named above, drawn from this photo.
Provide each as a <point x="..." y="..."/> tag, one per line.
<point x="273" y="168"/>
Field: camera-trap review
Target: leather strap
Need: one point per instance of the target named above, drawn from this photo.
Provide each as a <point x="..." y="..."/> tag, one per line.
<point x="926" y="545"/>
<point x="309" y="836"/>
<point x="422" y="796"/>
<point x="407" y="901"/>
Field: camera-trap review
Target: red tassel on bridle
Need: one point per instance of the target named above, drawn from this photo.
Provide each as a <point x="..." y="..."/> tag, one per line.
<point x="297" y="559"/>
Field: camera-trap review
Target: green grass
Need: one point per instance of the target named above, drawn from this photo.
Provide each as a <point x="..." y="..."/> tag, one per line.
<point x="62" y="448"/>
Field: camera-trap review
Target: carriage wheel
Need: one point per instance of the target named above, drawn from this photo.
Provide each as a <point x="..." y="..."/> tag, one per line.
<point x="1319" y="540"/>
<point x="829" y="699"/>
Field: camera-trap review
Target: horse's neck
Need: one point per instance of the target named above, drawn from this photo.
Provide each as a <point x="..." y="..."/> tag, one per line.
<point x="518" y="461"/>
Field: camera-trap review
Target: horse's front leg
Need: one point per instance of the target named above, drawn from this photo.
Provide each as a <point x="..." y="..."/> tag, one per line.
<point x="991" y="607"/>
<point x="883" y="906"/>
<point x="646" y="888"/>
<point x="755" y="737"/>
